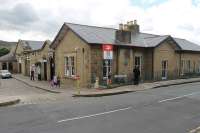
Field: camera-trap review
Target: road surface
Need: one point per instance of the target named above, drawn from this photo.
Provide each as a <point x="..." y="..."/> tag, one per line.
<point x="174" y="109"/>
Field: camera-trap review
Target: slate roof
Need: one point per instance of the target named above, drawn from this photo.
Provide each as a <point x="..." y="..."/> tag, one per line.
<point x="102" y="35"/>
<point x="33" y="45"/>
<point x="94" y="34"/>
<point x="10" y="57"/>
<point x="187" y="45"/>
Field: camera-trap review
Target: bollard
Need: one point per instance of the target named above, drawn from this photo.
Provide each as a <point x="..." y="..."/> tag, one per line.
<point x="96" y="85"/>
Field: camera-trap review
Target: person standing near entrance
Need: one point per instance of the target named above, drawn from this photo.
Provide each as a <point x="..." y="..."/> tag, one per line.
<point x="136" y="72"/>
<point x="39" y="72"/>
<point x="32" y="73"/>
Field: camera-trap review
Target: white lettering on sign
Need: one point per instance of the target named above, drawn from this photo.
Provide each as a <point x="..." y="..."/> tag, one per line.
<point x="108" y="55"/>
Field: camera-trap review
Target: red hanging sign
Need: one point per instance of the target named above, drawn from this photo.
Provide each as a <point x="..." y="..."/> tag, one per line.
<point x="107" y="51"/>
<point x="107" y="47"/>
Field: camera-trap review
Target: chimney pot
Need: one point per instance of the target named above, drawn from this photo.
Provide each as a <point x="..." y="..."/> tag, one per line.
<point x="135" y="22"/>
<point x="131" y="22"/>
<point x="121" y="26"/>
<point x="125" y="27"/>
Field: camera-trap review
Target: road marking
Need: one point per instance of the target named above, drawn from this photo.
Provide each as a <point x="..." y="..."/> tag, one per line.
<point x="195" y="130"/>
<point x="170" y="99"/>
<point x="94" y="115"/>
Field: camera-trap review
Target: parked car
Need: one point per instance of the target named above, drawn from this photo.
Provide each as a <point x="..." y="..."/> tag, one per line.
<point x="5" y="74"/>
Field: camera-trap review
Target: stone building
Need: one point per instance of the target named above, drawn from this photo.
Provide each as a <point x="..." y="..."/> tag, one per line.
<point x="34" y="54"/>
<point x="9" y="62"/>
<point x="79" y="51"/>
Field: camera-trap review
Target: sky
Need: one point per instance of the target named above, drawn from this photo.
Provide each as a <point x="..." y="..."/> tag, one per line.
<point x="42" y="19"/>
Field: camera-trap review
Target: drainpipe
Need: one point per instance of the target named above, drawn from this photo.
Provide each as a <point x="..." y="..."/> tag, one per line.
<point x="180" y="67"/>
<point x="117" y="60"/>
<point x="152" y="64"/>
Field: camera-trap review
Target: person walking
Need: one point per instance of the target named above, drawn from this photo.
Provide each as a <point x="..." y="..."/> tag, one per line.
<point x="136" y="72"/>
<point x="58" y="81"/>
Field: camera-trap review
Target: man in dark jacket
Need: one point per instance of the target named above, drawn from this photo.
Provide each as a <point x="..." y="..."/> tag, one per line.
<point x="136" y="72"/>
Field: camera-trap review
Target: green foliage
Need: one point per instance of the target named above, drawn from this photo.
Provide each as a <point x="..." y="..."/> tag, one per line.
<point x="4" y="51"/>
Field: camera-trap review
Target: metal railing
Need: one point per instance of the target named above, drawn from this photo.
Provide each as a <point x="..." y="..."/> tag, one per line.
<point x="147" y="77"/>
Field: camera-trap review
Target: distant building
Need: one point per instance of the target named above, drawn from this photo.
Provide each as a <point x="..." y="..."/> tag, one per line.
<point x="34" y="53"/>
<point x="9" y="61"/>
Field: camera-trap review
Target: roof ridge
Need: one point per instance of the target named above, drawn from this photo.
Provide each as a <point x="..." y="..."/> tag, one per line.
<point x="157" y="36"/>
<point x="90" y="26"/>
<point x="32" y="41"/>
<point x="150" y="34"/>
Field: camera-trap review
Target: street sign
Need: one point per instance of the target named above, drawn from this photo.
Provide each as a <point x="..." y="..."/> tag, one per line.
<point x="107" y="47"/>
<point x="107" y="51"/>
<point x="108" y="55"/>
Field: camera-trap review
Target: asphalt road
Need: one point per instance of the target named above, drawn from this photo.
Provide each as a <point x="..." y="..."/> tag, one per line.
<point x="12" y="87"/>
<point x="174" y="109"/>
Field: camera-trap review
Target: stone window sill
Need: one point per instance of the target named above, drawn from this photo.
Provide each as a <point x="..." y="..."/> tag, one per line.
<point x="69" y="77"/>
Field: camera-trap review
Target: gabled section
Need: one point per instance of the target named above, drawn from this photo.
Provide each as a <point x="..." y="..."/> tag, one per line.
<point x="59" y="36"/>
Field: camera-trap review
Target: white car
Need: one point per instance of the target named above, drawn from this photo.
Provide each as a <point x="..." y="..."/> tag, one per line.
<point x="5" y="74"/>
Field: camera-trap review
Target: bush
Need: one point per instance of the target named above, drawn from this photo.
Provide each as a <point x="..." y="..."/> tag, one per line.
<point x="4" y="51"/>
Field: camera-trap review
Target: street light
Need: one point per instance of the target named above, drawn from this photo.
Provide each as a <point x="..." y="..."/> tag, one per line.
<point x="77" y="77"/>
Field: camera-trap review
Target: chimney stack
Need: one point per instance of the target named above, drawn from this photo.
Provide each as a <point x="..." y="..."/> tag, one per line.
<point x="126" y="30"/>
<point x="134" y="27"/>
<point x="135" y="22"/>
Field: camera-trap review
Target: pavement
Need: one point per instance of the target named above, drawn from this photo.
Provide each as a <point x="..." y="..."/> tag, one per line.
<point x="84" y="92"/>
<point x="171" y="109"/>
<point x="17" y="93"/>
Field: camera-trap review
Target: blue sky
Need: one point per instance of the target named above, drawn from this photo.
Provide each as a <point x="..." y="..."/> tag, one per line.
<point x="147" y="3"/>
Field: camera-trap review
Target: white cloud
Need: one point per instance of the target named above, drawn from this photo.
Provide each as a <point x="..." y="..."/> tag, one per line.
<point x="176" y="17"/>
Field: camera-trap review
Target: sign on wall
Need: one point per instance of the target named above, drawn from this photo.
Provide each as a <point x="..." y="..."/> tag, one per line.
<point x="107" y="51"/>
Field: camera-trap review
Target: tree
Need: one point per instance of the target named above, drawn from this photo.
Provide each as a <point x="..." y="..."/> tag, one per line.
<point x="4" y="51"/>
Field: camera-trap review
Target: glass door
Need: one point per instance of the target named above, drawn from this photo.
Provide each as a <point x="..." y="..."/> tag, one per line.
<point x="138" y="62"/>
<point x="164" y="69"/>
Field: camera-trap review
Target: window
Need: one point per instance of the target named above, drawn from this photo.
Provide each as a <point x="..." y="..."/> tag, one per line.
<point x="185" y="66"/>
<point x="198" y="69"/>
<point x="107" y="65"/>
<point x="188" y="66"/>
<point x="182" y="67"/>
<point x="69" y="66"/>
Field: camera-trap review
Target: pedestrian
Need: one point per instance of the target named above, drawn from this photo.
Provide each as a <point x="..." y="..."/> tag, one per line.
<point x="39" y="72"/>
<point x="32" y="73"/>
<point x="136" y="72"/>
<point x="51" y="83"/>
<point x="109" y="78"/>
<point x="58" y="81"/>
<point x="55" y="81"/>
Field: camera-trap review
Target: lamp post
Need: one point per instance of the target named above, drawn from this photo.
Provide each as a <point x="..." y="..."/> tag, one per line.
<point x="77" y="77"/>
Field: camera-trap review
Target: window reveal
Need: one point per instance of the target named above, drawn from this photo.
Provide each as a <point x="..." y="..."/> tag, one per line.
<point x="69" y="66"/>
